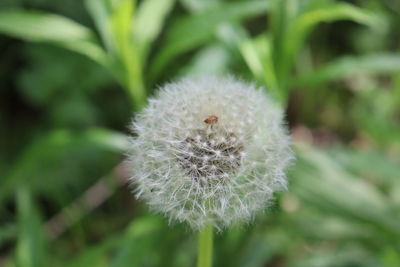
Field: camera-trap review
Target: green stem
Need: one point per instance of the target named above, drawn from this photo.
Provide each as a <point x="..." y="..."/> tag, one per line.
<point x="205" y="249"/>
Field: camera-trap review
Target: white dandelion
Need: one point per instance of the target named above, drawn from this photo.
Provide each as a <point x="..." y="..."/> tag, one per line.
<point x="209" y="151"/>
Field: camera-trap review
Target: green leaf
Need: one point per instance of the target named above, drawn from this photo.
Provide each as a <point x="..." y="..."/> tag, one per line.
<point x="128" y="53"/>
<point x="8" y="232"/>
<point x="390" y="257"/>
<point x="198" y="5"/>
<point x="290" y="31"/>
<point x="122" y="15"/>
<point x="344" y="255"/>
<point x="195" y="30"/>
<point x="149" y="22"/>
<point x="42" y="27"/>
<point x="261" y="247"/>
<point x="256" y="53"/>
<point x="97" y="255"/>
<point x="262" y="48"/>
<point x="52" y="146"/>
<point x="100" y="11"/>
<point x="137" y="245"/>
<point x="212" y="59"/>
<point x="334" y="12"/>
<point x="107" y="139"/>
<point x="253" y="58"/>
<point x="281" y="17"/>
<point x="304" y="23"/>
<point x="30" y="244"/>
<point x="324" y="183"/>
<point x="384" y="170"/>
<point x="348" y="66"/>
<point x="137" y="248"/>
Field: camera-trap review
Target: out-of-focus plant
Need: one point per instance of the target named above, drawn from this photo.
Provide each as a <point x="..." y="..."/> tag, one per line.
<point x="334" y="64"/>
<point x="126" y="35"/>
<point x="271" y="55"/>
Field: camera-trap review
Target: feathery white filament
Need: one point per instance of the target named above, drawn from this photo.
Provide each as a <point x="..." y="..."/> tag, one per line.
<point x="209" y="151"/>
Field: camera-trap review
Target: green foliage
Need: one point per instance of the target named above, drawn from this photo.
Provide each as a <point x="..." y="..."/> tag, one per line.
<point x="50" y="156"/>
<point x="41" y="27"/>
<point x="347" y="67"/>
<point x="195" y="30"/>
<point x="30" y="250"/>
<point x="63" y="127"/>
<point x="149" y="22"/>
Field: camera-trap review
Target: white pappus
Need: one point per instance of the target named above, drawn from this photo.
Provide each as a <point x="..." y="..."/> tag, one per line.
<point x="209" y="150"/>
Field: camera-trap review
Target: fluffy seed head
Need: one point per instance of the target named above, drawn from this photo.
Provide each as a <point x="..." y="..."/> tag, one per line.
<point x="209" y="151"/>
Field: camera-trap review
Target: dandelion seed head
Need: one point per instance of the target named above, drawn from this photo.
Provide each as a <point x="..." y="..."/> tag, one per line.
<point x="209" y="151"/>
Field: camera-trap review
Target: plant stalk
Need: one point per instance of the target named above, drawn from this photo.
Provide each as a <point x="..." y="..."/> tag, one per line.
<point x="205" y="247"/>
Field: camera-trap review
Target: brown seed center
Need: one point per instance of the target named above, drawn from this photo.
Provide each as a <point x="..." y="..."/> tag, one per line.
<point x="210" y="155"/>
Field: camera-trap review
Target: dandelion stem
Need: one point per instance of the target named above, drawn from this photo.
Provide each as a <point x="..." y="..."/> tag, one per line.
<point x="205" y="248"/>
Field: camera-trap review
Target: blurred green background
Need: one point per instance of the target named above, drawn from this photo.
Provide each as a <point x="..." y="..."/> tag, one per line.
<point x="73" y="73"/>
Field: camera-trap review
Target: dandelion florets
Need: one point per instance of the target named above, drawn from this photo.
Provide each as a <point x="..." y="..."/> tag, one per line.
<point x="209" y="151"/>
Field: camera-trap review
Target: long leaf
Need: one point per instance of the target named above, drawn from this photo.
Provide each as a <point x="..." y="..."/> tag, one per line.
<point x="53" y="144"/>
<point x="304" y="23"/>
<point x="43" y="27"/>
<point x="149" y="22"/>
<point x="256" y="52"/>
<point x="288" y="43"/>
<point x="324" y="183"/>
<point x="100" y="11"/>
<point x="137" y="248"/>
<point x="383" y="63"/>
<point x="30" y="246"/>
<point x="195" y="30"/>
<point x="121" y="25"/>
<point x="97" y="255"/>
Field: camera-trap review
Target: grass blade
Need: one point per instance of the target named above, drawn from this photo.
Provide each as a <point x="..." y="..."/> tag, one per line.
<point x="348" y="66"/>
<point x="149" y="21"/>
<point x="30" y="245"/>
<point x="42" y="27"/>
<point x="195" y="30"/>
